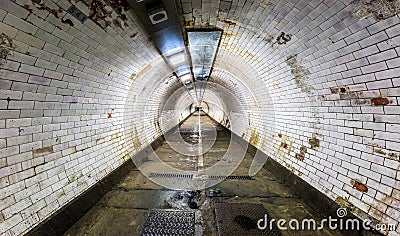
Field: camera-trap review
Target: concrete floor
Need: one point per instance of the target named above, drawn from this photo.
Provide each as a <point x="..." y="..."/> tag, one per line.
<point x="123" y="210"/>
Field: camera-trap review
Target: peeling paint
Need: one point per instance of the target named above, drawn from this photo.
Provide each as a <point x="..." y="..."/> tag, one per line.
<point x="303" y="149"/>
<point x="299" y="156"/>
<point x="314" y="142"/>
<point x="228" y="34"/>
<point x="302" y="154"/>
<point x="55" y="12"/>
<point x="300" y="74"/>
<point x="6" y="44"/>
<point x="379" y="9"/>
<point x="101" y="12"/>
<point x="283" y="38"/>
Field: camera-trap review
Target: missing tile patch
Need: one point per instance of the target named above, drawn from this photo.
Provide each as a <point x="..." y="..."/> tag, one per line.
<point x="379" y="9"/>
<point x="300" y="74"/>
<point x="6" y="46"/>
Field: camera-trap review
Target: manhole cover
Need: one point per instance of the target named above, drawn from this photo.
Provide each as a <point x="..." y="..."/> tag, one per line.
<point x="169" y="223"/>
<point x="241" y="219"/>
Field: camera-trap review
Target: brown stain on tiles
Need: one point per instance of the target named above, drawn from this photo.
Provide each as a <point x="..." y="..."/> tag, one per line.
<point x="68" y="22"/>
<point x="42" y="151"/>
<point x="344" y="203"/>
<point x="254" y="137"/>
<point x="380" y="101"/>
<point x="314" y="142"/>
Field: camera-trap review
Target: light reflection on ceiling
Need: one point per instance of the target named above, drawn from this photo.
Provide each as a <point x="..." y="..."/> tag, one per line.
<point x="203" y="47"/>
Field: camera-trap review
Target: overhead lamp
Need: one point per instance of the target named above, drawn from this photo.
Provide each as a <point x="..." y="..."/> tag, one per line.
<point x="157" y="14"/>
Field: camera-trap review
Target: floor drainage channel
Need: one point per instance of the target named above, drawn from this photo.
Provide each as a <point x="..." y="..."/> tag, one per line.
<point x="169" y="175"/>
<point x="238" y="177"/>
<point x="169" y="222"/>
<point x="184" y="176"/>
<point x="241" y="219"/>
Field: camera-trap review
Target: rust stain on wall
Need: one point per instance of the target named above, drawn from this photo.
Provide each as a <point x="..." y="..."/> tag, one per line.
<point x="357" y="184"/>
<point x="285" y="147"/>
<point x="254" y="137"/>
<point x="380" y="101"/>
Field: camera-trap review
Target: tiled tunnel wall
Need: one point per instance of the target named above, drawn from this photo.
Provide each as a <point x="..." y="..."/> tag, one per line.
<point x="322" y="98"/>
<point x="72" y="104"/>
<point x="331" y="69"/>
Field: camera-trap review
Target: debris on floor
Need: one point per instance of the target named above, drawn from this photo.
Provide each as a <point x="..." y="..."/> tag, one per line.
<point x="185" y="200"/>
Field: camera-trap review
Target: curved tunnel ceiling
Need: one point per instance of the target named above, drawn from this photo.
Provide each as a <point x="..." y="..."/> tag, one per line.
<point x="317" y="85"/>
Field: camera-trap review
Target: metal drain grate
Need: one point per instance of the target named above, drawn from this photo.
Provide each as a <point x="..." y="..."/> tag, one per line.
<point x="241" y="219"/>
<point x="184" y="176"/>
<point x="169" y="223"/>
<point x="238" y="177"/>
<point x="170" y="175"/>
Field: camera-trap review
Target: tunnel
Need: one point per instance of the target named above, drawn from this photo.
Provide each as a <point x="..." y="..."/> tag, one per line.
<point x="200" y="117"/>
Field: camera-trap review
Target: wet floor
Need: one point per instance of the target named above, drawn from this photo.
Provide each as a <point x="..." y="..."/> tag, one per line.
<point x="125" y="209"/>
